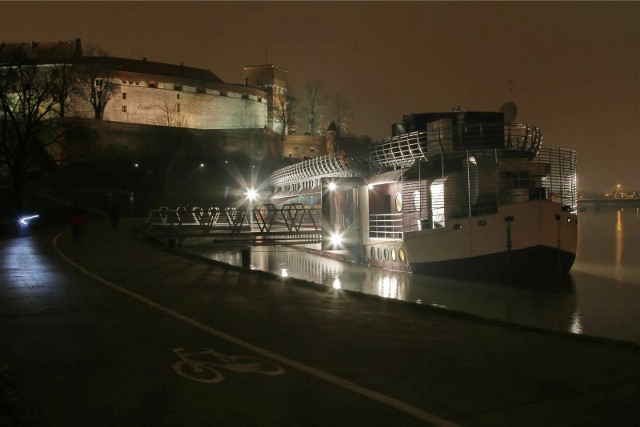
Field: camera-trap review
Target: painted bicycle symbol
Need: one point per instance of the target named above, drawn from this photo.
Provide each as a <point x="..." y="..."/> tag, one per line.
<point x="205" y="365"/>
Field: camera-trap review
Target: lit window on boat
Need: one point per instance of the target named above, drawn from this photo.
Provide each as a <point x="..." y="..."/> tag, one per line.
<point x="386" y="254"/>
<point x="569" y="219"/>
<point x="373" y="252"/>
<point x="379" y="253"/>
<point x="393" y="254"/>
<point x="457" y="226"/>
<point x="482" y="223"/>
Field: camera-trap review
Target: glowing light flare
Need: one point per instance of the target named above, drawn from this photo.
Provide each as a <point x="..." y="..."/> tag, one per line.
<point x="251" y="193"/>
<point x="25" y="219"/>
<point x="336" y="239"/>
<point x="332" y="186"/>
<point x="336" y="283"/>
<point x="284" y="272"/>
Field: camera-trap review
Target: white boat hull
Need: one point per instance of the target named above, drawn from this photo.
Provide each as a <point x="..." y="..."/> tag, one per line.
<point x="531" y="238"/>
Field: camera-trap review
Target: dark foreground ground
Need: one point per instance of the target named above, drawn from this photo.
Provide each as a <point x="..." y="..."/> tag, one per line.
<point x="91" y="332"/>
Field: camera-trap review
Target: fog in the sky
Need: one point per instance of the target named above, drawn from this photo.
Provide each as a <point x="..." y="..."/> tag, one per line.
<point x="574" y="66"/>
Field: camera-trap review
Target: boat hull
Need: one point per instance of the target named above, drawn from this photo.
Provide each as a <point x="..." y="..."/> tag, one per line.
<point x="532" y="239"/>
<point x="538" y="261"/>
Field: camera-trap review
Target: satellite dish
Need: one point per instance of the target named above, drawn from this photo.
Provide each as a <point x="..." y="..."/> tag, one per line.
<point x="510" y="112"/>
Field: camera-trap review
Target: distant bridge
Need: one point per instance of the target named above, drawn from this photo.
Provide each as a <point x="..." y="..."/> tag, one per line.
<point x="596" y="203"/>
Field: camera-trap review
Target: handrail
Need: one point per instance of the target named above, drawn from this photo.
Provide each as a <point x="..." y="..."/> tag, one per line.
<point x="403" y="150"/>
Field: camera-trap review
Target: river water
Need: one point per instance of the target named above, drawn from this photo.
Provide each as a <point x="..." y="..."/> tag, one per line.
<point x="600" y="298"/>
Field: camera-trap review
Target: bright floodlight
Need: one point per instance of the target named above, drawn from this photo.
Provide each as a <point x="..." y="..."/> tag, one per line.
<point x="332" y="186"/>
<point x="252" y="194"/>
<point x="336" y="239"/>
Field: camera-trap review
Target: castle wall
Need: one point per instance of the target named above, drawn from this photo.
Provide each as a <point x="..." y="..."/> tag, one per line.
<point x="139" y="99"/>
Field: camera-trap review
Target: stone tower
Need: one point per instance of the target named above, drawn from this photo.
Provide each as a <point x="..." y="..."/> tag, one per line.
<point x="272" y="80"/>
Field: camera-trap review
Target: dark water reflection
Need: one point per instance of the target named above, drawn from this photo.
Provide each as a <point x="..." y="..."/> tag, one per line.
<point x="601" y="297"/>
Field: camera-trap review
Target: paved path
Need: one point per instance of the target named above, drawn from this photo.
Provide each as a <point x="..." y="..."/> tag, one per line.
<point x="91" y="333"/>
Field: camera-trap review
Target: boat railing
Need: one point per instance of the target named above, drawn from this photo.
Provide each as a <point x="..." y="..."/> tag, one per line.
<point x="402" y="150"/>
<point x="385" y="226"/>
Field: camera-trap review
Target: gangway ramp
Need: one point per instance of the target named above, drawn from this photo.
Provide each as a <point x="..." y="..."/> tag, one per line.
<point x="262" y="225"/>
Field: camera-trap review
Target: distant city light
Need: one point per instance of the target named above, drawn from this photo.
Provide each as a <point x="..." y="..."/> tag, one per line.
<point x="201" y="165"/>
<point x="135" y="165"/>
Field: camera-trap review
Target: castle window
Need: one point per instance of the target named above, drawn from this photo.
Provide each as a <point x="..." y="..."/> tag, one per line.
<point x="124" y="95"/>
<point x="313" y="150"/>
<point x="153" y="84"/>
<point x="178" y="96"/>
<point x="177" y="87"/>
<point x="178" y="108"/>
<point x="124" y="108"/>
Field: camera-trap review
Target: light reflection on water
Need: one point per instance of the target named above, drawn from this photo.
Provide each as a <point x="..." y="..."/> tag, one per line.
<point x="600" y="298"/>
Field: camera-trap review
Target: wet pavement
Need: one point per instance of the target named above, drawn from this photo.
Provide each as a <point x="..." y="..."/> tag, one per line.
<point x="112" y="330"/>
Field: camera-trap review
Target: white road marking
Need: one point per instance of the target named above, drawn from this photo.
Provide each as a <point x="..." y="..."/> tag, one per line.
<point x="310" y="370"/>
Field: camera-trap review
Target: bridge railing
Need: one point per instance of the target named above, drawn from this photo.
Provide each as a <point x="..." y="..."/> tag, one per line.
<point x="292" y="217"/>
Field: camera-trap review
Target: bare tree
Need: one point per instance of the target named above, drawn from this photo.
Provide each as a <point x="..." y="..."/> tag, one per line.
<point x="292" y="112"/>
<point x="316" y="98"/>
<point x="342" y="113"/>
<point x="170" y="115"/>
<point x="281" y="110"/>
<point x="31" y="103"/>
<point x="95" y="77"/>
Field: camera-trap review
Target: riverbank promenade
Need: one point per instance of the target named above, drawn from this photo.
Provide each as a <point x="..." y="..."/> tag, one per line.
<point x="109" y="329"/>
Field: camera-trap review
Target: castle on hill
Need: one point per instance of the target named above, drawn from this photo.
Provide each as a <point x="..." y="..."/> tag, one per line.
<point x="153" y="93"/>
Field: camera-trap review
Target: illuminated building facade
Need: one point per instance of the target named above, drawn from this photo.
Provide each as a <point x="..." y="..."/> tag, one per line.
<point x="152" y="93"/>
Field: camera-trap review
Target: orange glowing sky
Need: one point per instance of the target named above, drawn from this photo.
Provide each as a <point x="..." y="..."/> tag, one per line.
<point x="575" y="65"/>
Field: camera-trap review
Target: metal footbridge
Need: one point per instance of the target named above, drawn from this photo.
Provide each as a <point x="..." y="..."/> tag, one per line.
<point x="263" y="225"/>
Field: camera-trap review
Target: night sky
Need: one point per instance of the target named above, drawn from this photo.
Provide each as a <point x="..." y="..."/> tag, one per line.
<point x="575" y="66"/>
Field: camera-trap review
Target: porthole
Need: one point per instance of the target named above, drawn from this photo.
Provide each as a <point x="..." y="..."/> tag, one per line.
<point x="402" y="255"/>
<point x="393" y="255"/>
<point x="416" y="200"/>
<point x="386" y="254"/>
<point x="399" y="202"/>
<point x="379" y="253"/>
<point x="457" y="226"/>
<point x="373" y="252"/>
